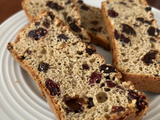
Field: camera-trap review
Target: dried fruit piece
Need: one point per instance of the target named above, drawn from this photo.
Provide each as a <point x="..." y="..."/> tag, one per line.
<point x="43" y="67"/>
<point x="116" y="34"/>
<point x="112" y="13"/>
<point x="148" y="9"/>
<point x="74" y="27"/>
<point x="107" y="69"/>
<point x="85" y="66"/>
<point x="95" y="77"/>
<point x="80" y="1"/>
<point x="117" y="109"/>
<point x="46" y="23"/>
<point x="51" y="15"/>
<point x="74" y="104"/>
<point x="38" y="33"/>
<point x="28" y="51"/>
<point x="84" y="7"/>
<point x="111" y="84"/>
<point x="123" y="39"/>
<point x="54" y="6"/>
<point x="90" y="102"/>
<point x="149" y="57"/>
<point x="52" y="87"/>
<point x="68" y="2"/>
<point x="152" y="40"/>
<point x="153" y="32"/>
<point x="90" y="51"/>
<point x="128" y="29"/>
<point x="62" y="36"/>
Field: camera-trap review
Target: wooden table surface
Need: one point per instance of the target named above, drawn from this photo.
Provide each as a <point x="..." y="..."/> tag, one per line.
<point x="9" y="7"/>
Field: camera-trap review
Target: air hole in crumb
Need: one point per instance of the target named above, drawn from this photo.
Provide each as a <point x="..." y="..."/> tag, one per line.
<point x="106" y="109"/>
<point x="152" y="45"/>
<point x="107" y="89"/>
<point x="101" y="97"/>
<point x="140" y="68"/>
<point x="43" y="51"/>
<point x="59" y="63"/>
<point x="125" y="60"/>
<point x="136" y="48"/>
<point x="123" y="54"/>
<point x="128" y="70"/>
<point x="135" y="62"/>
<point x="92" y="60"/>
<point x="107" y="116"/>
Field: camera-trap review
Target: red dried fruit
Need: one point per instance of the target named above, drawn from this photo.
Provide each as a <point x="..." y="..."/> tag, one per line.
<point x="116" y="34"/>
<point x="128" y="29"/>
<point x="52" y="87"/>
<point x="43" y="67"/>
<point x="73" y="104"/>
<point x="54" y="6"/>
<point x="90" y="102"/>
<point x="85" y="66"/>
<point x="84" y="7"/>
<point x="74" y="27"/>
<point x="107" y="69"/>
<point x="38" y="33"/>
<point x="117" y="109"/>
<point x="111" y="84"/>
<point x="90" y="51"/>
<point x="62" y="36"/>
<point x="112" y="13"/>
<point x="95" y="77"/>
<point x="149" y="57"/>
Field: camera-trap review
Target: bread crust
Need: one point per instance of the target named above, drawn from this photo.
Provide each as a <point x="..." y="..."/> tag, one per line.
<point x="140" y="81"/>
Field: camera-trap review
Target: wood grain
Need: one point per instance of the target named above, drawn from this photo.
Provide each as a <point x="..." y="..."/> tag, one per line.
<point x="10" y="7"/>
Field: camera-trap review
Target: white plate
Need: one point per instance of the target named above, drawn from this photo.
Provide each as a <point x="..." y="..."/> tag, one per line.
<point x="22" y="100"/>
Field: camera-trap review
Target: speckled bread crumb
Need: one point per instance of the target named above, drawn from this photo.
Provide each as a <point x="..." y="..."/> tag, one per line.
<point x="92" y="21"/>
<point x="134" y="37"/>
<point x="75" y="80"/>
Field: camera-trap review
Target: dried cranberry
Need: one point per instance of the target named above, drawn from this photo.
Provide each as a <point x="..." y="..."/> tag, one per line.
<point x="85" y="66"/>
<point x="84" y="7"/>
<point x="117" y="109"/>
<point x="95" y="22"/>
<point x="43" y="67"/>
<point x="51" y="15"/>
<point x="46" y="23"/>
<point x="52" y="87"/>
<point x="132" y="95"/>
<point x="112" y="13"/>
<point x="74" y="27"/>
<point x="152" y="40"/>
<point x="73" y="104"/>
<point x="128" y="29"/>
<point x="38" y="33"/>
<point x="116" y="34"/>
<point x="148" y="9"/>
<point x="148" y="57"/>
<point x="62" y="36"/>
<point x="90" y="51"/>
<point x="90" y="102"/>
<point x="54" y="6"/>
<point x="123" y="39"/>
<point x="107" y="69"/>
<point x="95" y="77"/>
<point x="111" y="84"/>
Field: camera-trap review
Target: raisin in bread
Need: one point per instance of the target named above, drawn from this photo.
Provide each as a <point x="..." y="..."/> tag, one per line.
<point x="92" y="21"/>
<point x="65" y="10"/>
<point x="76" y="81"/>
<point x="135" y="42"/>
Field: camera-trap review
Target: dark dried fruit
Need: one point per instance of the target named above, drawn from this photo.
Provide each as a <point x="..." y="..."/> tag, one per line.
<point x="111" y="84"/>
<point x="112" y="13"/>
<point x="74" y="27"/>
<point x="142" y="20"/>
<point x="80" y="1"/>
<point x="84" y="7"/>
<point x="43" y="67"/>
<point x="37" y="23"/>
<point x="148" y="9"/>
<point x="73" y="104"/>
<point x="116" y="34"/>
<point x="80" y="36"/>
<point x="90" y="102"/>
<point x="62" y="36"/>
<point x="102" y="85"/>
<point x="95" y="77"/>
<point x="38" y="33"/>
<point x="85" y="66"/>
<point x="90" y="51"/>
<point x="22" y="57"/>
<point x="140" y="103"/>
<point x="156" y="75"/>
<point x="123" y="39"/>
<point x="117" y="109"/>
<point x="52" y="87"/>
<point x="153" y="32"/>
<point x="95" y="22"/>
<point x="107" y="89"/>
<point x="149" y="57"/>
<point x="28" y="51"/>
<point x="51" y="15"/>
<point x="107" y="69"/>
<point x="54" y="6"/>
<point x="128" y="29"/>
<point x="152" y="40"/>
<point x="69" y="19"/>
<point x="46" y="23"/>
<point x="68" y="2"/>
